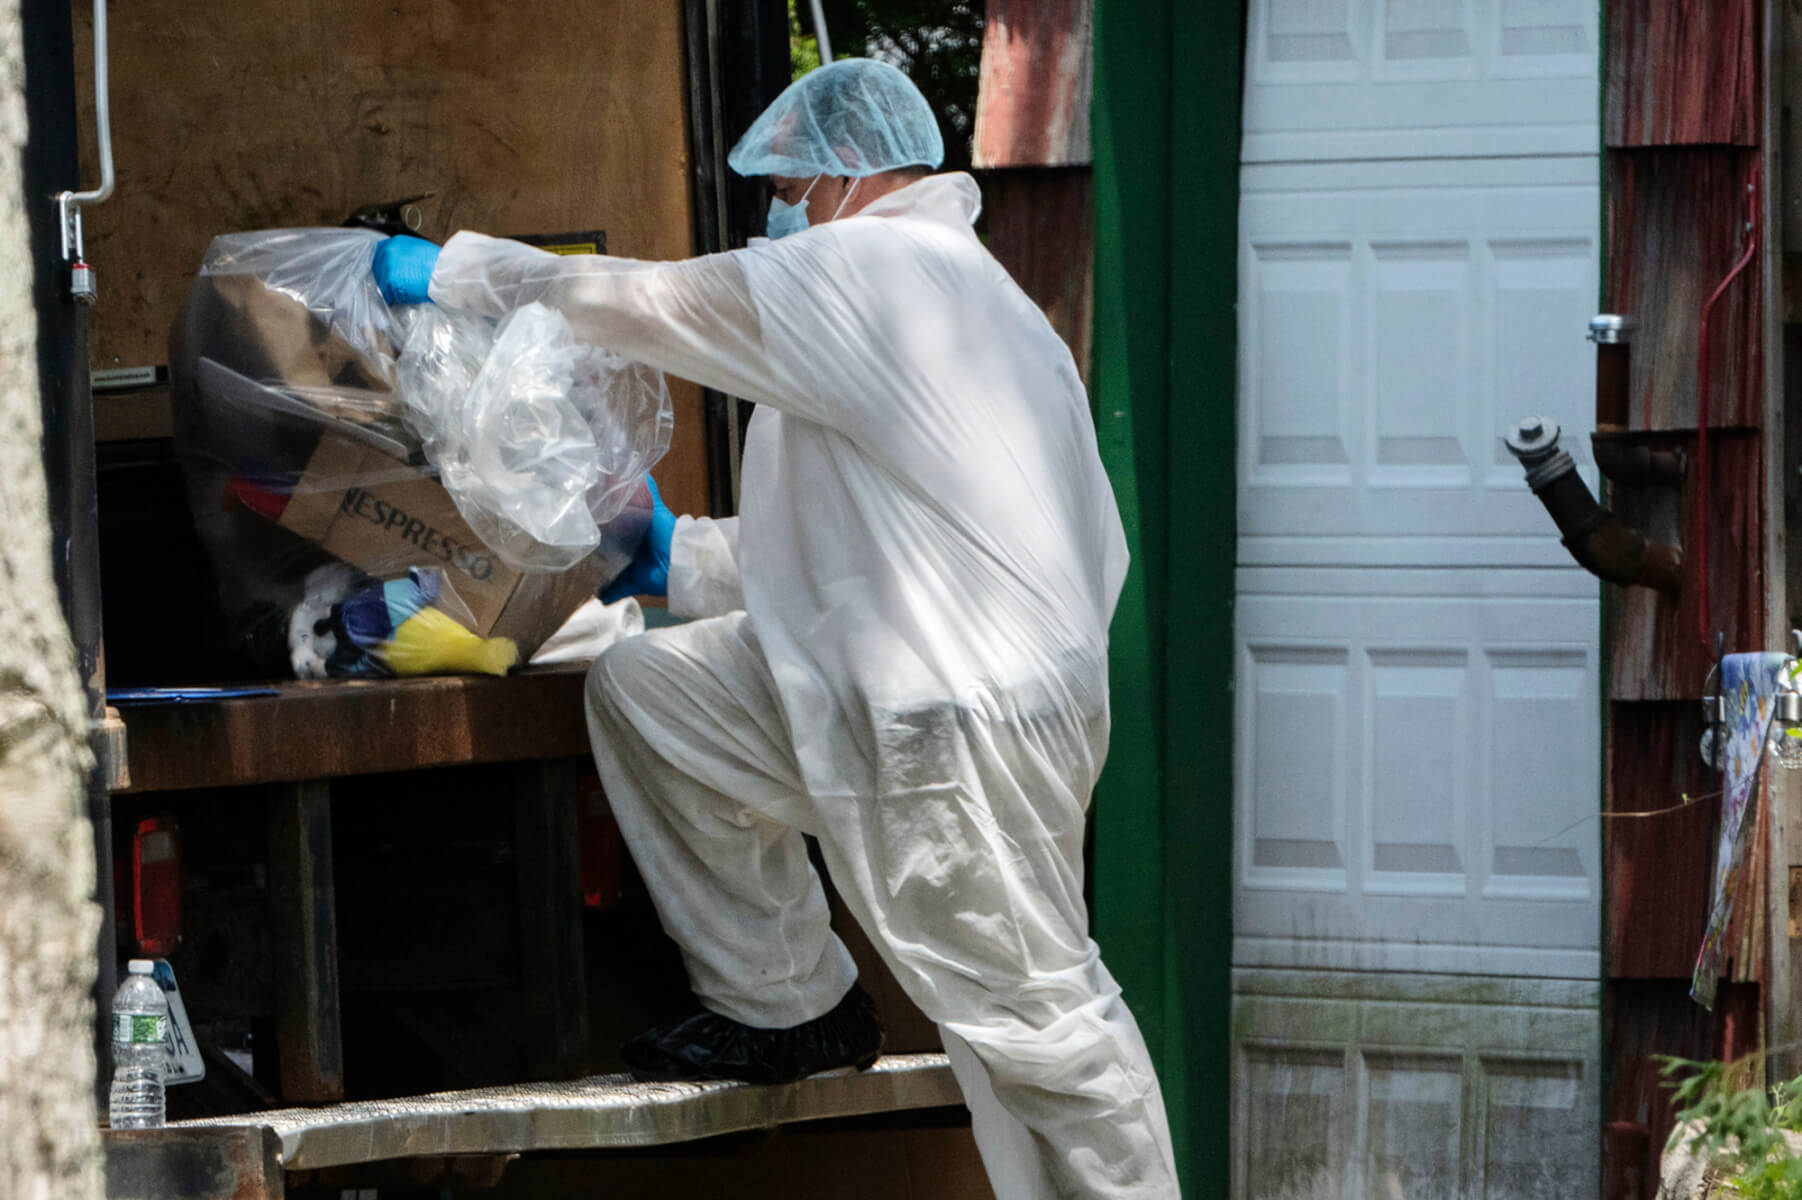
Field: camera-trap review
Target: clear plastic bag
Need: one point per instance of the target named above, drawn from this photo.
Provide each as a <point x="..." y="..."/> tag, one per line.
<point x="296" y="311"/>
<point x="325" y="271"/>
<point x="316" y="425"/>
<point x="541" y="439"/>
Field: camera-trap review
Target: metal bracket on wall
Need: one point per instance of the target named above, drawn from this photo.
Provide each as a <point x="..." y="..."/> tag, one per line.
<point x="106" y="738"/>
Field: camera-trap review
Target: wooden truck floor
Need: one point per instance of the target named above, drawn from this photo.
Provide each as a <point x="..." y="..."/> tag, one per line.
<point x="247" y="1157"/>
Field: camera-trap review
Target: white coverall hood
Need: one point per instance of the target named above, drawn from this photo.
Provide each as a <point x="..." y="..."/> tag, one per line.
<point x="927" y="558"/>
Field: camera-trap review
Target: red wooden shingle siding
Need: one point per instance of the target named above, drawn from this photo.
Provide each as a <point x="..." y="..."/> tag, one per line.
<point x="1656" y="868"/>
<point x="1032" y="151"/>
<point x="1644" y="1019"/>
<point x="1039" y="228"/>
<point x="1036" y="80"/>
<point x="1656" y="648"/>
<point x="1682" y="123"/>
<point x="1676" y="226"/>
<point x="1682" y="72"/>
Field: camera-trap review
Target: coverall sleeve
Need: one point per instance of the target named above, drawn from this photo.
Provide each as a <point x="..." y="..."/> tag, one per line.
<point x="703" y="567"/>
<point x="693" y="318"/>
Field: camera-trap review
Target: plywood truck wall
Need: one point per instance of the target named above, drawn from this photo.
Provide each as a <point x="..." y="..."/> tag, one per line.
<point x="522" y="116"/>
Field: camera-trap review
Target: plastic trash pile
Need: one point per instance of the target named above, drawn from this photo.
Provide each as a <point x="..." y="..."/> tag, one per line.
<point x="319" y="428"/>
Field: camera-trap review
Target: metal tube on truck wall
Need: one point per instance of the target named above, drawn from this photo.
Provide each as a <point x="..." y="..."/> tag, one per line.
<point x="51" y="167"/>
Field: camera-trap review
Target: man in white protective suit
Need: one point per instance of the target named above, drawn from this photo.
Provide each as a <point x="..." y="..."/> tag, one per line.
<point x="899" y="645"/>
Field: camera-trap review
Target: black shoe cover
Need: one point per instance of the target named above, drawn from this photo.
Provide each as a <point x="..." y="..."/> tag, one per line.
<point x="709" y="1046"/>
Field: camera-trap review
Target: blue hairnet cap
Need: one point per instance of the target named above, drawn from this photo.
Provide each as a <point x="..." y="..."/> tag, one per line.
<point x="853" y="117"/>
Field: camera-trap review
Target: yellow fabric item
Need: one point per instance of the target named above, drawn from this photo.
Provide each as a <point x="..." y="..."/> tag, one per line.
<point x="430" y="643"/>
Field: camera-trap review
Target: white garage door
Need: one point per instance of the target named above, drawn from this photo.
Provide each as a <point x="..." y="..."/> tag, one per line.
<point x="1417" y="890"/>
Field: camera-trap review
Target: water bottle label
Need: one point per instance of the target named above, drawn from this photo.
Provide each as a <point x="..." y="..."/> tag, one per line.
<point x="137" y="1028"/>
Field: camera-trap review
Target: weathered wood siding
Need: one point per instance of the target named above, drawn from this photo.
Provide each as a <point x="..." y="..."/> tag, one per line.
<point x="1657" y="650"/>
<point x="1676" y="226"/>
<point x="1682" y="72"/>
<point x="1033" y="109"/>
<point x="1032" y="156"/>
<point x="1686" y="110"/>
<point x="1039" y="227"/>
<point x="1657" y="867"/>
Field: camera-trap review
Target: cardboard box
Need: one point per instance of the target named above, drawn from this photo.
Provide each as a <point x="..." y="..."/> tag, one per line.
<point x="384" y="515"/>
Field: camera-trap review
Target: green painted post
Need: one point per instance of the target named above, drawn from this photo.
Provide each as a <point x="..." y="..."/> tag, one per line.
<point x="1166" y="126"/>
<point x="1130" y="112"/>
<point x="1206" y="45"/>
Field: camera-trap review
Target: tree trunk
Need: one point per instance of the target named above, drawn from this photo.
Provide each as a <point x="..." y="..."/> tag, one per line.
<point x="49" y="1146"/>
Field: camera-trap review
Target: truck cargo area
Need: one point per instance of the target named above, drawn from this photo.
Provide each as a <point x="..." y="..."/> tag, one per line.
<point x="406" y="933"/>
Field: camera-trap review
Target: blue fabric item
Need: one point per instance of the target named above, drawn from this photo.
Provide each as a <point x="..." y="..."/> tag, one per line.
<point x="854" y="117"/>
<point x="648" y="572"/>
<point x="403" y="269"/>
<point x="373" y="614"/>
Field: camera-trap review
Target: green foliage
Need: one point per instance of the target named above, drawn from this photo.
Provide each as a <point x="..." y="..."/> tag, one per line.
<point x="938" y="43"/>
<point x="1738" y="1124"/>
<point x="803" y="47"/>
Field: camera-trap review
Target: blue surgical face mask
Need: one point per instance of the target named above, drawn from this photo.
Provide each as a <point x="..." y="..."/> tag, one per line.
<point x="785" y="218"/>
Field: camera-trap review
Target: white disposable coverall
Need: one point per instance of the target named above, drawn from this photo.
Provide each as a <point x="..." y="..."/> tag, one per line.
<point x="904" y="654"/>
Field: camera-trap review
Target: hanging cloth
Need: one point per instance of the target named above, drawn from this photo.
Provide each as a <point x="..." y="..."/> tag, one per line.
<point x="1749" y="687"/>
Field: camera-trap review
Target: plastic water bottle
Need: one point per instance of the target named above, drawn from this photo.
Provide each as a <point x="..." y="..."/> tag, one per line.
<point x="140" y="1049"/>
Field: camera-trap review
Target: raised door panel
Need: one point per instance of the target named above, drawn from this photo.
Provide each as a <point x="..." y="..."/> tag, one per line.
<point x="1390" y="338"/>
<point x="1364" y="79"/>
<point x="1356" y="1085"/>
<point x="1416" y="776"/>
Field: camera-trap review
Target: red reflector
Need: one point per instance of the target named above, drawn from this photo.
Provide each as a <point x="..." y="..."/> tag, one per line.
<point x="156" y="884"/>
<point x="602" y="849"/>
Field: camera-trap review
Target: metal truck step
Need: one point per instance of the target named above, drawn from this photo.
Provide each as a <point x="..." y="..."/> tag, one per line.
<point x="607" y="1111"/>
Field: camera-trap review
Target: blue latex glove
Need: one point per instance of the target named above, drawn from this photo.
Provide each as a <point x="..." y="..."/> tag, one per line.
<point x="403" y="269"/>
<point x="648" y="572"/>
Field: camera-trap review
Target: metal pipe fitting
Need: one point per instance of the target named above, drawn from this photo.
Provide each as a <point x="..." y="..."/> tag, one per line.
<point x="1612" y="329"/>
<point x="1617" y="456"/>
<point x="1600" y="541"/>
<point x="1632" y="464"/>
<point x="1613" y="336"/>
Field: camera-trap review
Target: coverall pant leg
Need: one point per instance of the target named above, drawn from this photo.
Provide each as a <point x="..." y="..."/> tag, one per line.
<point x="984" y="929"/>
<point x="691" y="749"/>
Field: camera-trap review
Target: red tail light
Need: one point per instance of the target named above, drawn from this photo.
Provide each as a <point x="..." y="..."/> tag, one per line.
<point x="602" y="849"/>
<point x="156" y="884"/>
